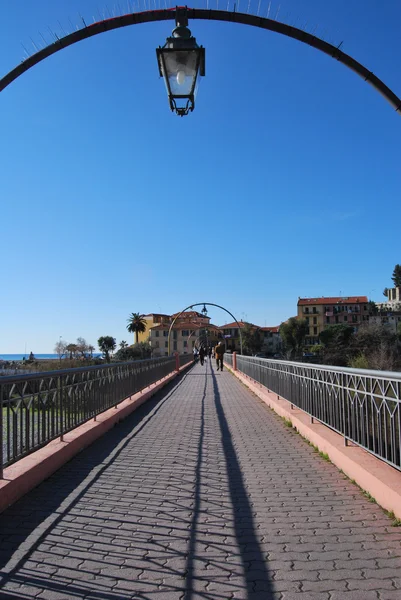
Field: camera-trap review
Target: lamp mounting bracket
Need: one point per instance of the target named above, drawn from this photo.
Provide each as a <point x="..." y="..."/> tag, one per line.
<point x="181" y="16"/>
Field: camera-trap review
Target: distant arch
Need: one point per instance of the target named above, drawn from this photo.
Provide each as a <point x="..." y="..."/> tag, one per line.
<point x="205" y="14"/>
<point x="204" y="304"/>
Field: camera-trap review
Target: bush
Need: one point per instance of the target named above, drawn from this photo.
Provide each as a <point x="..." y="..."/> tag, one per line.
<point x="359" y="362"/>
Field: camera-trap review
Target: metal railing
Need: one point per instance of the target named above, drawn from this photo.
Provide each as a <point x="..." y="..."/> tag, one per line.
<point x="37" y="408"/>
<point x="185" y="359"/>
<point x="363" y="406"/>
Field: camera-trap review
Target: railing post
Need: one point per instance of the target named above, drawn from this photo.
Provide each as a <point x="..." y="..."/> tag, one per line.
<point x="1" y="431"/>
<point x="61" y="407"/>
<point x="234" y="361"/>
<point x="177" y="362"/>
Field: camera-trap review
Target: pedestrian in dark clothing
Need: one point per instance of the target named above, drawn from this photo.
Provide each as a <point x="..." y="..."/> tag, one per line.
<point x="210" y="352"/>
<point x="202" y="355"/>
<point x="219" y="350"/>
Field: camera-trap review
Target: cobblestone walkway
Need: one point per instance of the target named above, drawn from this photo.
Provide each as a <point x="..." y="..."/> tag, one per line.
<point x="202" y="493"/>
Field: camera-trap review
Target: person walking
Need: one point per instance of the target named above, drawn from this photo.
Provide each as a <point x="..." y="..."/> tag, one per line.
<point x="210" y="352"/>
<point x="202" y="355"/>
<point x="219" y="350"/>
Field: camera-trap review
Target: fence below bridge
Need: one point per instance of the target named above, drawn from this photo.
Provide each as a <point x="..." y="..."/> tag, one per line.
<point x="363" y="406"/>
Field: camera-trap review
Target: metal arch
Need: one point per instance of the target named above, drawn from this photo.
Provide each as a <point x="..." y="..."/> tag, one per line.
<point x="214" y="15"/>
<point x="200" y="304"/>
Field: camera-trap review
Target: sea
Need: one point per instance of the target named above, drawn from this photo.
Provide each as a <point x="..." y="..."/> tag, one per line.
<point x="17" y="357"/>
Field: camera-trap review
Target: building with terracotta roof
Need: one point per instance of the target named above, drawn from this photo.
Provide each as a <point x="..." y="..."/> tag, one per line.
<point x="322" y="312"/>
<point x="190" y="329"/>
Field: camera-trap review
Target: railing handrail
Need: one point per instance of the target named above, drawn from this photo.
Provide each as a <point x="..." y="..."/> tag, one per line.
<point x="39" y="407"/>
<point x="346" y="370"/>
<point x="26" y="376"/>
<point x="364" y="406"/>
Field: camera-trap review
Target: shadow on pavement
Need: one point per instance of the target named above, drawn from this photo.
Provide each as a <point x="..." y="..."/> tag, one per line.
<point x="254" y="564"/>
<point x="27" y="515"/>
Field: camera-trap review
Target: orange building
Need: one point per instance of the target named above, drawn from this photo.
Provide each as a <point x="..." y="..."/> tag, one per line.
<point x="322" y="312"/>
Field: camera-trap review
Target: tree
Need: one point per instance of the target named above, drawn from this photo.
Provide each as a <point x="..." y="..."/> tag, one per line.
<point x="293" y="333"/>
<point x="336" y="344"/>
<point x="123" y="344"/>
<point x="372" y="308"/>
<point x="91" y="350"/>
<point x="379" y="345"/>
<point x="135" y="352"/>
<point x="136" y="324"/>
<point x="385" y="292"/>
<point x="396" y="277"/>
<point x="72" y="349"/>
<point x="82" y="347"/>
<point x="251" y="340"/>
<point x="107" y="344"/>
<point x="60" y="349"/>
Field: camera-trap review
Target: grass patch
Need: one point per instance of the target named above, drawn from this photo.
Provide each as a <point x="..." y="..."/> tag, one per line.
<point x="287" y="422"/>
<point x="369" y="496"/>
<point x="395" y="522"/>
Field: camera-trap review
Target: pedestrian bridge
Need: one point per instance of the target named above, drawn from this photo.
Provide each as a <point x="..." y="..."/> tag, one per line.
<point x="202" y="492"/>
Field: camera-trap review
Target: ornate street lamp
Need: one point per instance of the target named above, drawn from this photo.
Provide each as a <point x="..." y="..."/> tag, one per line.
<point x="204" y="310"/>
<point x="180" y="62"/>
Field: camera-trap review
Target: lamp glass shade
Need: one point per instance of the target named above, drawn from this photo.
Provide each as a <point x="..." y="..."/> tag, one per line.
<point x="180" y="69"/>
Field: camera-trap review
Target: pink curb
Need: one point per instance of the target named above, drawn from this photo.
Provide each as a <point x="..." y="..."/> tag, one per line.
<point x="28" y="472"/>
<point x="382" y="481"/>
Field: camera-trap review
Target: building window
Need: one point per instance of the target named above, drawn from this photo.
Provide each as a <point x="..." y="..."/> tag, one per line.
<point x="355" y="318"/>
<point x="307" y="310"/>
<point x="327" y="319"/>
<point x="314" y="310"/>
<point x="345" y="318"/>
<point x="336" y="318"/>
<point x="307" y="320"/>
<point x="175" y="345"/>
<point x="156" y="333"/>
<point x="185" y="343"/>
<point x="156" y="344"/>
<point x="315" y="320"/>
<point x="174" y="335"/>
<point x="165" y="333"/>
<point x="315" y="331"/>
<point x="185" y="333"/>
<point x="166" y="344"/>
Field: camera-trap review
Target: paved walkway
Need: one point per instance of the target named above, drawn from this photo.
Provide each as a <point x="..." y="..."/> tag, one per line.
<point x="202" y="493"/>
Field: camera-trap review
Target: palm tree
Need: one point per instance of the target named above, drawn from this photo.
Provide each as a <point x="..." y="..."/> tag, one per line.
<point x="91" y="350"/>
<point x="123" y="344"/>
<point x="136" y="324"/>
<point x="72" y="349"/>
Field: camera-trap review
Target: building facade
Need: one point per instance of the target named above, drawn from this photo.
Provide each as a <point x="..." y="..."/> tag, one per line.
<point x="271" y="340"/>
<point x="151" y="320"/>
<point x="322" y="312"/>
<point x="270" y="337"/>
<point x="189" y="330"/>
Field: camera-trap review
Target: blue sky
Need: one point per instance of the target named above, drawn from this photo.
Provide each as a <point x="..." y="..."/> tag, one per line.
<point x="284" y="182"/>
